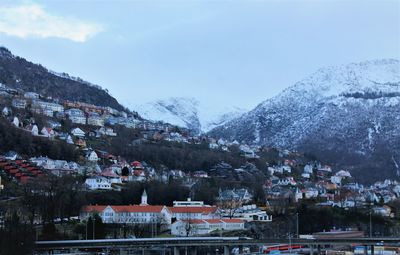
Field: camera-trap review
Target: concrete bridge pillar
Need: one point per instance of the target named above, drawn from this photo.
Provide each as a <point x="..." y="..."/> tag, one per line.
<point x="311" y="249"/>
<point x="176" y="250"/>
<point x="226" y="250"/>
<point x="193" y="251"/>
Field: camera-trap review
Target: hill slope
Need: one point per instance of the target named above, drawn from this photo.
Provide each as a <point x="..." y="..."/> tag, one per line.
<point x="348" y="115"/>
<point x="18" y="73"/>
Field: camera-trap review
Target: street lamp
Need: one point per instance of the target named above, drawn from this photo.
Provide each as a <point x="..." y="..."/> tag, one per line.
<point x="297" y="224"/>
<point x="94" y="221"/>
<point x="370" y="223"/>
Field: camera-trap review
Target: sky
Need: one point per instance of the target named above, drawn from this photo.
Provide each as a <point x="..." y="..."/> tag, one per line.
<point x="223" y="53"/>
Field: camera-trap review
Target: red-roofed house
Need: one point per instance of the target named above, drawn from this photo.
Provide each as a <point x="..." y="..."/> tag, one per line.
<point x="195" y="212"/>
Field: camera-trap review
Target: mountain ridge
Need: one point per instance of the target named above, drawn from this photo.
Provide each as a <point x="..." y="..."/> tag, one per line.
<point x="341" y="113"/>
<point x="18" y="73"/>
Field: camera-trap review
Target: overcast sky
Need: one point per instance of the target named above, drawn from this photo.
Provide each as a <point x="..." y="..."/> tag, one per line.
<point x="220" y="52"/>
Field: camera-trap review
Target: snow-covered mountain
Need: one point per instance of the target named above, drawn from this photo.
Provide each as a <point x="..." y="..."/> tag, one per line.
<point x="349" y="115"/>
<point x="188" y="113"/>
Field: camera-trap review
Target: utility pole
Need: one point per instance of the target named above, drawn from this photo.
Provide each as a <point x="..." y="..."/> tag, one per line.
<point x="297" y="224"/>
<point x="94" y="221"/>
<point x="370" y="223"/>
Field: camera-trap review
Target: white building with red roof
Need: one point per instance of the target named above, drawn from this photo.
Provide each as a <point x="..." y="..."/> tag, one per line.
<point x="130" y="214"/>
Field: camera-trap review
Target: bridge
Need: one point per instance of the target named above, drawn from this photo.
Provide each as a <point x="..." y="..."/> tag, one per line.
<point x="194" y="244"/>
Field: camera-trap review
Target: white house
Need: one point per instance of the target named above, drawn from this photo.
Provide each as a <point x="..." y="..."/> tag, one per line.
<point x="107" y="131"/>
<point x="6" y="111"/>
<point x="19" y="103"/>
<point x="98" y="183"/>
<point x="47" y="132"/>
<point x="248" y="213"/>
<point x="76" y="116"/>
<point x="205" y="227"/>
<point x="31" y="95"/>
<point x="78" y="132"/>
<point x="92" y="156"/>
<point x="15" y="122"/>
<point x="308" y="169"/>
<point x="46" y="108"/>
<point x="33" y="129"/>
<point x="94" y="119"/>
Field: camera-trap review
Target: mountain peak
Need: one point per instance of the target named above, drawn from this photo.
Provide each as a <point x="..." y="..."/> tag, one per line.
<point x="187" y="112"/>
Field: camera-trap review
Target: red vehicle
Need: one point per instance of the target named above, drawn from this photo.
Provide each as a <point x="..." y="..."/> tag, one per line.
<point x="279" y="247"/>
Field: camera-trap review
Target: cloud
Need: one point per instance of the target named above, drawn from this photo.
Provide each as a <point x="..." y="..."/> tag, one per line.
<point x="33" y="20"/>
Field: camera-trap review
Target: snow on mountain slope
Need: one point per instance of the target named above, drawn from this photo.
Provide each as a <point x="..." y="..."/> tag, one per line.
<point x="348" y="113"/>
<point x="188" y="113"/>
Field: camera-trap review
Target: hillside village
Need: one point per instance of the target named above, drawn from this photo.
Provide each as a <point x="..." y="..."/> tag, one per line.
<point x="284" y="178"/>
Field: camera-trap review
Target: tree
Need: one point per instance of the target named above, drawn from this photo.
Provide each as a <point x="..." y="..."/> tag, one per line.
<point x="16" y="237"/>
<point x="95" y="227"/>
<point x="125" y="171"/>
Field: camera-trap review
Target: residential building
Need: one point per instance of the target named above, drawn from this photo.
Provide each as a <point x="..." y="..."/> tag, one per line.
<point x="194" y="212"/>
<point x="98" y="183"/>
<point x="92" y="156"/>
<point x="247" y="213"/>
<point x="94" y="119"/>
<point x="19" y="103"/>
<point x="78" y="132"/>
<point x="46" y="108"/>
<point x="76" y="116"/>
<point x="205" y="227"/>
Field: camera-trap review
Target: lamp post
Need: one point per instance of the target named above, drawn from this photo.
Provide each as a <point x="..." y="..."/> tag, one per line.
<point x="297" y="225"/>
<point x="94" y="221"/>
<point x="370" y="223"/>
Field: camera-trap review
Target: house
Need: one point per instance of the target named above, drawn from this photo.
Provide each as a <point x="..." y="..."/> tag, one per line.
<point x="19" y="103"/>
<point x="69" y="140"/>
<point x="15" y="122"/>
<point x="46" y="108"/>
<point x="6" y="111"/>
<point x="47" y="132"/>
<point x="242" y="195"/>
<point x="106" y="131"/>
<point x="384" y="211"/>
<point x="247" y="213"/>
<point x="31" y="95"/>
<point x="194" y="212"/>
<point x="33" y="129"/>
<point x="11" y="155"/>
<point x="98" y="183"/>
<point x="94" y="119"/>
<point x="308" y="169"/>
<point x="54" y="124"/>
<point x="204" y="227"/>
<point x="76" y="116"/>
<point x="200" y="174"/>
<point x="77" y="132"/>
<point x="92" y="156"/>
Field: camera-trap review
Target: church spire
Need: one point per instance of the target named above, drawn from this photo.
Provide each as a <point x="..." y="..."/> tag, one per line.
<point x="144" y="198"/>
